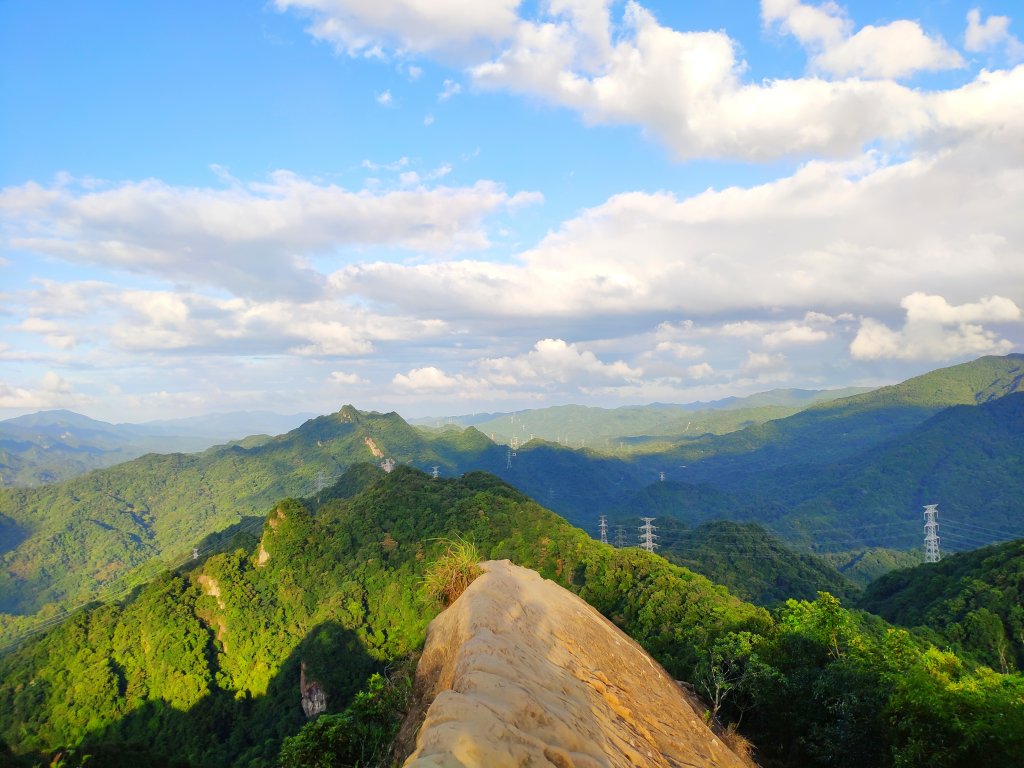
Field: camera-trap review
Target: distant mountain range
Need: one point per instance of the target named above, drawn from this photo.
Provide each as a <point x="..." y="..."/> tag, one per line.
<point x="838" y="477"/>
<point x="55" y="445"/>
<point x="580" y="426"/>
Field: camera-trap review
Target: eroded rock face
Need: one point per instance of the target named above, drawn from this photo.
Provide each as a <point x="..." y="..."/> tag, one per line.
<point x="519" y="671"/>
<point x="314" y="700"/>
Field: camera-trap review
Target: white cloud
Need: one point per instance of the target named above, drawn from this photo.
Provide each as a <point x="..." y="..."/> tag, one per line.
<point x="552" y="364"/>
<point x="51" y="391"/>
<point x="763" y="362"/>
<point x="898" y="49"/>
<point x="254" y="239"/>
<point x="688" y="89"/>
<point x="429" y="378"/>
<point x="347" y="379"/>
<point x="700" y="371"/>
<point x="553" y="360"/>
<point x="385" y="99"/>
<point x="992" y="34"/>
<point x="946" y="224"/>
<point x="450" y="88"/>
<point x="680" y="350"/>
<point x="936" y="330"/>
<point x="794" y="334"/>
<point x="364" y="27"/>
<point x="140" y="321"/>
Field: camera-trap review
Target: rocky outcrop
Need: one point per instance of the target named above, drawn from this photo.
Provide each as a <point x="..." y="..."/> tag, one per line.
<point x="521" y="672"/>
<point x="314" y="699"/>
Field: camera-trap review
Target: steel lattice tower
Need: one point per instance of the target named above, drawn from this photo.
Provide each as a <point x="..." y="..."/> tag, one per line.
<point x="648" y="535"/>
<point x="931" y="534"/>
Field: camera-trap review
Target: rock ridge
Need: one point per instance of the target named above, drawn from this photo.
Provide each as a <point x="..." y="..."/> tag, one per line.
<point x="521" y="672"/>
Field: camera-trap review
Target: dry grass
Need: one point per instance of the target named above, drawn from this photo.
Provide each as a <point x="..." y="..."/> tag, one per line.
<point x="739" y="744"/>
<point x="452" y="572"/>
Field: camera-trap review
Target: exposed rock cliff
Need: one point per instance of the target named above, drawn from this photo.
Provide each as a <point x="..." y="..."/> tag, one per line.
<point x="521" y="672"/>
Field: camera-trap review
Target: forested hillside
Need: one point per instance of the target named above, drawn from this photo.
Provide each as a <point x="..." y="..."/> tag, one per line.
<point x="203" y="667"/>
<point x="64" y="542"/>
<point x="630" y="427"/>
<point x="840" y="476"/>
<point x="752" y="563"/>
<point x="834" y="431"/>
<point x="973" y="600"/>
<point x="50" y="446"/>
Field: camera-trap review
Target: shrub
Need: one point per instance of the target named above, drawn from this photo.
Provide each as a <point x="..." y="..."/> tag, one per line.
<point x="450" y="574"/>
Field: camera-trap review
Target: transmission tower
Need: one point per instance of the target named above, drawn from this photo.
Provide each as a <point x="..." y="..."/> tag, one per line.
<point x="436" y="473"/>
<point x="604" y="529"/>
<point x="931" y="534"/>
<point x="648" y="535"/>
<point x="321" y="481"/>
<point x="620" y="536"/>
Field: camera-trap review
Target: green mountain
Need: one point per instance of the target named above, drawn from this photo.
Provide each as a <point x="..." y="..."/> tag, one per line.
<point x="626" y="428"/>
<point x="71" y="541"/>
<point x="752" y="563"/>
<point x="968" y="459"/>
<point x="90" y="536"/>
<point x="973" y="600"/>
<point x="50" y="446"/>
<point x="203" y="666"/>
<point x="210" y="665"/>
<point x="841" y="429"/>
<point x="862" y="566"/>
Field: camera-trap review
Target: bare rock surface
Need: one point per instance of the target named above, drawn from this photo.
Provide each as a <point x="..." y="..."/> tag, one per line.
<point x="521" y="672"/>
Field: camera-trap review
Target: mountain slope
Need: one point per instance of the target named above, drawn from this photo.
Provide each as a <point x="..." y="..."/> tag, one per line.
<point x="974" y="600"/>
<point x="603" y="428"/>
<point x="753" y="564"/>
<point x="220" y="663"/>
<point x="486" y="678"/>
<point x="50" y="446"/>
<point x="968" y="459"/>
<point x="204" y="666"/>
<point x="92" y="532"/>
<point x="834" y="431"/>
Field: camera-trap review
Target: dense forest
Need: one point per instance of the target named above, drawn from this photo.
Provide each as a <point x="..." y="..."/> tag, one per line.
<point x="974" y="601"/>
<point x="203" y="666"/>
<point x="844" y="478"/>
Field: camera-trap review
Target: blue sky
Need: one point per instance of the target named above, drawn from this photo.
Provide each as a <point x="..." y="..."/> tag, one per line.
<point x="448" y="206"/>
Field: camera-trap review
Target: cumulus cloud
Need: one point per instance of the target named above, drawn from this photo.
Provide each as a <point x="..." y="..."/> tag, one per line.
<point x="366" y="27"/>
<point x="838" y="236"/>
<point x="553" y="360"/>
<point x="762" y="362"/>
<point x="347" y="379"/>
<point x="936" y="330"/>
<point x="550" y="364"/>
<point x="572" y="53"/>
<point x="51" y="391"/>
<point x="700" y="371"/>
<point x="993" y="33"/>
<point x="254" y="239"/>
<point x="136" y="321"/>
<point x="896" y="50"/>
